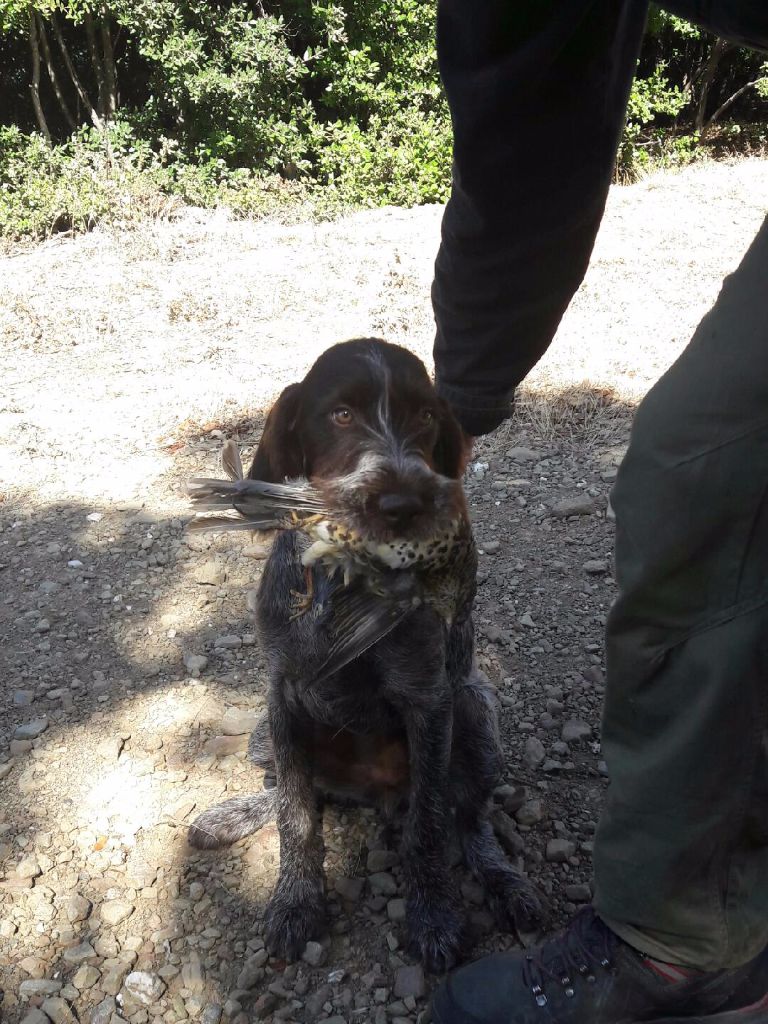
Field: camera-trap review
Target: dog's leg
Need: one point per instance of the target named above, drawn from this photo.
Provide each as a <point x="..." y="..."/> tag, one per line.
<point x="296" y="912"/>
<point x="432" y="910"/>
<point x="413" y="663"/>
<point x="476" y="762"/>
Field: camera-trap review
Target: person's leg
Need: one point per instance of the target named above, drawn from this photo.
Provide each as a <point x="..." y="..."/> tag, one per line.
<point x="537" y="91"/>
<point x="681" y="856"/>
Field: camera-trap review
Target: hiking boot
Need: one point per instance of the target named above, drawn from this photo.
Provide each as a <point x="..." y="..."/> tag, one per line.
<point x="587" y="975"/>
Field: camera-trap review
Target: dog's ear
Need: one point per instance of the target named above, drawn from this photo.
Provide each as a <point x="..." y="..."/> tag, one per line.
<point x="453" y="447"/>
<point x="280" y="453"/>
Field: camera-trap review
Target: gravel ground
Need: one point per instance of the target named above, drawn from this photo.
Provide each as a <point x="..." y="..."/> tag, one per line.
<point x="130" y="670"/>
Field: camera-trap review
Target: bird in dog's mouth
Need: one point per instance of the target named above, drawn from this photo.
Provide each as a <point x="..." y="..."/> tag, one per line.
<point x="385" y="575"/>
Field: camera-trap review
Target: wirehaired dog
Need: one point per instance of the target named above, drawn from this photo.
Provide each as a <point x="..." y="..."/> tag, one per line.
<point x="406" y="721"/>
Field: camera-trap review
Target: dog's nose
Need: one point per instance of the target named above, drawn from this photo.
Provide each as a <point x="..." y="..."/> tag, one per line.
<point x="400" y="509"/>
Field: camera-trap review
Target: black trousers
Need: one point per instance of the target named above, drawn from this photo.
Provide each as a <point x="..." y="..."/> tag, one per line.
<point x="681" y="856"/>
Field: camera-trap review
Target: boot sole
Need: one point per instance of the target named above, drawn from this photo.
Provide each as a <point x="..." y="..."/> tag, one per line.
<point x="757" y="1013"/>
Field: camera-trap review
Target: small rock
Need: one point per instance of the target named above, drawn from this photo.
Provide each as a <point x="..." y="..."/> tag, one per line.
<point x="315" y="1002"/>
<point x="559" y="850"/>
<point x="239" y="723"/>
<point x="30" y="730"/>
<point x="35" y="1016"/>
<point x="113" y="912"/>
<point x="596" y="566"/>
<point x="77" y="908"/>
<point x="505" y="829"/>
<point x="39" y="987"/>
<point x="382" y="884"/>
<point x="382" y="860"/>
<point x="527" y="621"/>
<point x="195" y="664"/>
<point x="252" y="971"/>
<point x="531" y="813"/>
<point x="221" y="746"/>
<point x="257" y="551"/>
<point x="80" y="953"/>
<point x="523" y="455"/>
<point x="396" y="910"/>
<point x="193" y="975"/>
<point x="145" y="987"/>
<point x="314" y="954"/>
<point x="409" y="981"/>
<point x="112" y="980"/>
<point x="209" y="574"/>
<point x="104" y="1011"/>
<point x="574" y="730"/>
<point x="28" y="868"/>
<point x="230" y="642"/>
<point x="580" y="506"/>
<point x="534" y="752"/>
<point x="58" y="1011"/>
<point x="23" y="698"/>
<point x="349" y="888"/>
<point x="578" y="893"/>
<point x="511" y="797"/>
<point x="490" y="547"/>
<point x="211" y="1014"/>
<point x="85" y="977"/>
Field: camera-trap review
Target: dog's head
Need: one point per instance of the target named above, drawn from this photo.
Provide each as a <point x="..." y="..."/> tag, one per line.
<point x="368" y="429"/>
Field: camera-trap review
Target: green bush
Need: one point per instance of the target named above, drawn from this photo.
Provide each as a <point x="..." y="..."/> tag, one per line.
<point x="259" y="104"/>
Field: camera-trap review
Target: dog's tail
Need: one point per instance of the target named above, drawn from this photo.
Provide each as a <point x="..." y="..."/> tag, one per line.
<point x="234" y="819"/>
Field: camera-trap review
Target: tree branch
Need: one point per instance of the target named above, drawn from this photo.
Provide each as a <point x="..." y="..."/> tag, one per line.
<point x="723" y="107"/>
<point x="97" y="121"/>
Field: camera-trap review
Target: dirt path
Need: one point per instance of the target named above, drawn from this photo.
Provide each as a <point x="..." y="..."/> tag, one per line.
<point x="126" y="358"/>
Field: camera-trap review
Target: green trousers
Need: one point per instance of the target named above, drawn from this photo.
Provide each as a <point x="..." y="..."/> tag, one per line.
<point x="681" y="857"/>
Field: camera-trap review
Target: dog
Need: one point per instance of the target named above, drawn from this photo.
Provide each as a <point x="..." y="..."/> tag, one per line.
<point x="409" y="721"/>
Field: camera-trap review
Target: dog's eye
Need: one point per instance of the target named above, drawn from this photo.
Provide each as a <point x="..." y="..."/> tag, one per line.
<point x="427" y="416"/>
<point x="342" y="416"/>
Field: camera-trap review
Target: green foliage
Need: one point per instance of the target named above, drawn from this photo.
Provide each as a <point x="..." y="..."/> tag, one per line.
<point x="263" y="103"/>
<point x="652" y="97"/>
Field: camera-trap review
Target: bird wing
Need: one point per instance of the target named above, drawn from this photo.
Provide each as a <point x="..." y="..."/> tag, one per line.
<point x="249" y="504"/>
<point x="231" y="462"/>
<point x="358" y="619"/>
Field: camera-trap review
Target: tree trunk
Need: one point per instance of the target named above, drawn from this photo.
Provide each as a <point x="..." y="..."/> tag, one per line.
<point x="98" y="68"/>
<point x="97" y="121"/>
<point x="110" y="71"/>
<point x="717" y="53"/>
<point x="34" y="47"/>
<point x="52" y="73"/>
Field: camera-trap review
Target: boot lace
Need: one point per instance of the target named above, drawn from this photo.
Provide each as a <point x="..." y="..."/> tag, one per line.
<point x="585" y="947"/>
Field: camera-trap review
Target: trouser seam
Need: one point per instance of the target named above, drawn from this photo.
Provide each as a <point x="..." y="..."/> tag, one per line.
<point x="727" y="615"/>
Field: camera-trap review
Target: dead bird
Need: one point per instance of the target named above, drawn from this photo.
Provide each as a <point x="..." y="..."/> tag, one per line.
<point x="398" y="573"/>
<point x="397" y="713"/>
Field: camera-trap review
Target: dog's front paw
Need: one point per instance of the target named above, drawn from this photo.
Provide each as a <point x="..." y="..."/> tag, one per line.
<point x="517" y="904"/>
<point x="293" y="917"/>
<point x="435" y="930"/>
